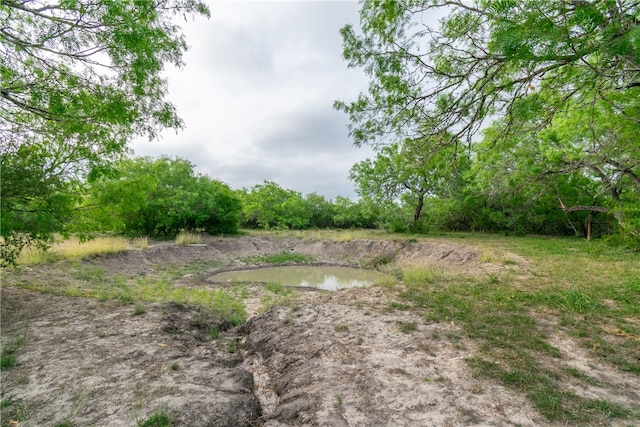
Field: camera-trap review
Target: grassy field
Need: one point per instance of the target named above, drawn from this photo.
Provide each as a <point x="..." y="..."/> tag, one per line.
<point x="545" y="287"/>
<point x="587" y="290"/>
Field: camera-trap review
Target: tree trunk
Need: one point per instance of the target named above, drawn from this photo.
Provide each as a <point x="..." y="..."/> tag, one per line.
<point x="418" y="210"/>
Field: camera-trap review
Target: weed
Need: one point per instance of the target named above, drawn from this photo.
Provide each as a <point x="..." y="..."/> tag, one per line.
<point x="139" y="309"/>
<point x="174" y="367"/>
<point x="12" y="411"/>
<point x="394" y="305"/>
<point x="339" y="399"/>
<point x="422" y="275"/>
<point x="399" y="371"/>
<point x="276" y="288"/>
<point x="380" y="260"/>
<point x="214" y="332"/>
<point x="231" y="346"/>
<point x="7" y="356"/>
<point x="160" y="418"/>
<point x="341" y="327"/>
<point x="140" y="243"/>
<point x="492" y="279"/>
<point x="281" y="258"/>
<point x="591" y="292"/>
<point x="73" y="249"/>
<point x="186" y="238"/>
<point x="6" y="362"/>
<point x="63" y="423"/>
<point x="407" y="327"/>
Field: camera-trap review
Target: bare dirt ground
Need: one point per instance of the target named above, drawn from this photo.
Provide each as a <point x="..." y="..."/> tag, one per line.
<point x="338" y="359"/>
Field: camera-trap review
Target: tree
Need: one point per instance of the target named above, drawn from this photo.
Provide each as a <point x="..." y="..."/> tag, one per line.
<point x="160" y="197"/>
<point x="319" y="209"/>
<point x="588" y="161"/>
<point x="268" y="205"/>
<point x="489" y="59"/>
<point x="77" y="80"/>
<point x="409" y="173"/>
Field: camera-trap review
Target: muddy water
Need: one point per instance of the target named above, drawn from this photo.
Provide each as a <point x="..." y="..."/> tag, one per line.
<point x="325" y="278"/>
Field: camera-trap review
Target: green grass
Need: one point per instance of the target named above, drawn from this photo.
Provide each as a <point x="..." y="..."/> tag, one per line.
<point x="159" y="418"/>
<point x="214" y="332"/>
<point x="93" y="282"/>
<point x="280" y="258"/>
<point x="407" y="327"/>
<point x="13" y="411"/>
<point x="8" y="355"/>
<point x="590" y="290"/>
<point x="139" y="309"/>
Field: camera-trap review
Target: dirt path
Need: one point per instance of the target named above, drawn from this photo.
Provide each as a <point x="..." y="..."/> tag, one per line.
<point x="341" y="359"/>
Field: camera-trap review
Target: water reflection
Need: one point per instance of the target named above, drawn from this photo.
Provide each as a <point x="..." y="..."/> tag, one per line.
<point x="320" y="277"/>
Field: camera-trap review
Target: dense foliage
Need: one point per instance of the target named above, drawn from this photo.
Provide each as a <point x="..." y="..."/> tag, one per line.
<point x="554" y="88"/>
<point x="78" y="79"/>
<point x="269" y="206"/>
<point x="164" y="196"/>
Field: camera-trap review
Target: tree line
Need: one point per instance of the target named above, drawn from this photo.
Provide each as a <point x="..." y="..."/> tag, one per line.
<point x="510" y="116"/>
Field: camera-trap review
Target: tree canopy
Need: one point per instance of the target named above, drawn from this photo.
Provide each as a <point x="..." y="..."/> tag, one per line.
<point x="489" y="59"/>
<point x="78" y="79"/>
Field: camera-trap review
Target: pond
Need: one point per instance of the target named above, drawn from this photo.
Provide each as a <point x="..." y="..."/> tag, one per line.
<point x="328" y="278"/>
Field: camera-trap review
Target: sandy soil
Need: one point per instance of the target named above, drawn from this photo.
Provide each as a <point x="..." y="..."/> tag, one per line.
<point x="339" y="359"/>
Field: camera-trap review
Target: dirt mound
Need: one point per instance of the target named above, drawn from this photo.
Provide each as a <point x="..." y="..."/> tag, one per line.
<point x="343" y="361"/>
<point x="384" y="251"/>
<point x="97" y="364"/>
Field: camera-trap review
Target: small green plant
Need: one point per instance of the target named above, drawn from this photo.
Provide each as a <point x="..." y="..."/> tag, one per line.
<point x="7" y="362"/>
<point x="341" y="327"/>
<point x="7" y="356"/>
<point x="394" y="305"/>
<point x="159" y="418"/>
<point x="407" y="327"/>
<point x="214" y="332"/>
<point x="231" y="346"/>
<point x="276" y="288"/>
<point x="174" y="367"/>
<point x="339" y="399"/>
<point x="63" y="423"/>
<point x="139" y="309"/>
<point x="493" y="279"/>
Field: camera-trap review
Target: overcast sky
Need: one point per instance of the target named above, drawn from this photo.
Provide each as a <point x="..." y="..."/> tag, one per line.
<point x="257" y="93"/>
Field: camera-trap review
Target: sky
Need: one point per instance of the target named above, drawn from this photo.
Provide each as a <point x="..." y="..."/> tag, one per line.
<point x="257" y="92"/>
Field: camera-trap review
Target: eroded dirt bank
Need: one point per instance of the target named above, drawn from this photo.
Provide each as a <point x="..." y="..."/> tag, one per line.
<point x="339" y="359"/>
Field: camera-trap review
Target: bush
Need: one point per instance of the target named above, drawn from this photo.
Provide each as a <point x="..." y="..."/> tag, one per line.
<point x="160" y="197"/>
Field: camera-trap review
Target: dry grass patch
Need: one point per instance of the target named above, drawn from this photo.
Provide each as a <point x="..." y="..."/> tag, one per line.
<point x="73" y="249"/>
<point x="186" y="238"/>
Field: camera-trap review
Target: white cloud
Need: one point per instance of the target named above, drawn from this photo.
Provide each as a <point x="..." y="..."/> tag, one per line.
<point x="257" y="92"/>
